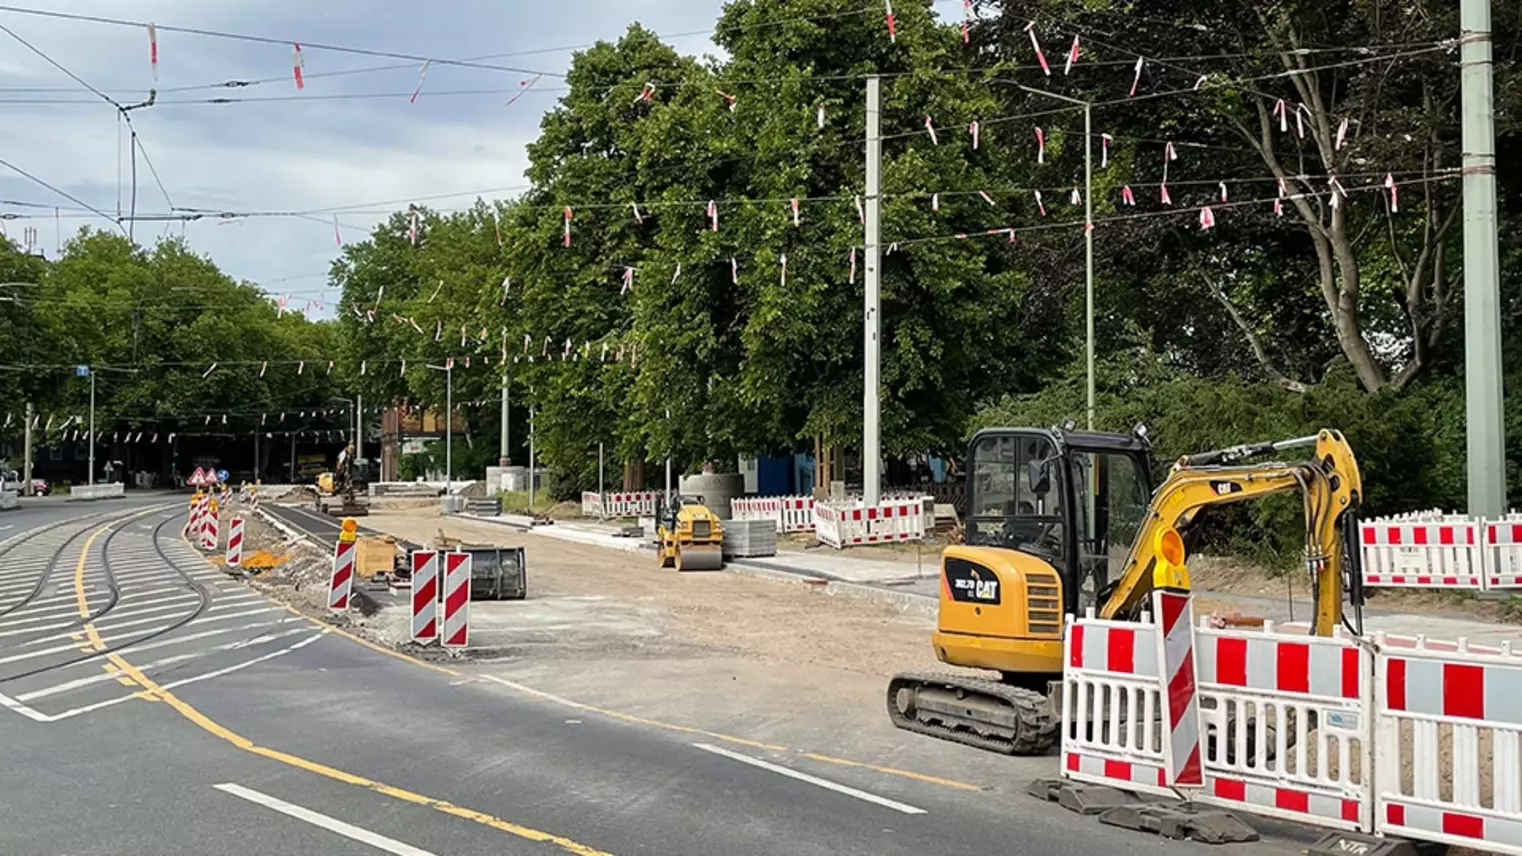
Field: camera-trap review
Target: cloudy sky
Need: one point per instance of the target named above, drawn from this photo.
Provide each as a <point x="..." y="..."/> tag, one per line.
<point x="283" y="150"/>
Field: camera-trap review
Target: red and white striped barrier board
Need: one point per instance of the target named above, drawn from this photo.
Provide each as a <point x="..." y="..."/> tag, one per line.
<point x="591" y="504"/>
<point x="797" y="514"/>
<point x="456" y="600"/>
<point x="1503" y="554"/>
<point x="628" y="504"/>
<point x="1265" y="699"/>
<point x="789" y="513"/>
<point x="342" y="580"/>
<point x="425" y="596"/>
<point x="235" y="542"/>
<point x="193" y="525"/>
<point x="892" y="520"/>
<point x="1181" y="710"/>
<point x="1112" y="708"/>
<point x="1422" y="554"/>
<point x="210" y="534"/>
<point x="1461" y="702"/>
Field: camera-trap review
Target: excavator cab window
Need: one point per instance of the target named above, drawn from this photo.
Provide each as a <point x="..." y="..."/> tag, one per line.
<point x="1016" y="496"/>
<point x="1110" y="491"/>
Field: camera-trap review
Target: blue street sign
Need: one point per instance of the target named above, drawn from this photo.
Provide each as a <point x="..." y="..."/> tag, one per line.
<point x="81" y="371"/>
<point x="222" y="475"/>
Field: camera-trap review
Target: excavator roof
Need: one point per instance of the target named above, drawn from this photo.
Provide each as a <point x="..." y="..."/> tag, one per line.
<point x="1093" y="440"/>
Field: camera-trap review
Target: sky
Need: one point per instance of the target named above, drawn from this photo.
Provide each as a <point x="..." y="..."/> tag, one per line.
<point x="301" y="151"/>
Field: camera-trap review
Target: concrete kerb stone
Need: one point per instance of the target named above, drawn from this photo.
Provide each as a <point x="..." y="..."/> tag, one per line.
<point x="280" y="525"/>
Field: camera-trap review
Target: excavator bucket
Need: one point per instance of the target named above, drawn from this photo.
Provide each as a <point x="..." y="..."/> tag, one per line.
<point x="699" y="557"/>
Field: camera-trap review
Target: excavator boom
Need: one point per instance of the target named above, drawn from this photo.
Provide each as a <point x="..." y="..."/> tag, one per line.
<point x="1330" y="486"/>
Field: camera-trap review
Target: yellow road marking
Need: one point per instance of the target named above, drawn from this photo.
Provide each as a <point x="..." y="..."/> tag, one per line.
<point x="629" y="717"/>
<point x="247" y="745"/>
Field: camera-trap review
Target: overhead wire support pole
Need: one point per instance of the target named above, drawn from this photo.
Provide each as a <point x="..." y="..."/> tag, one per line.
<point x="1485" y="426"/>
<point x="871" y="445"/>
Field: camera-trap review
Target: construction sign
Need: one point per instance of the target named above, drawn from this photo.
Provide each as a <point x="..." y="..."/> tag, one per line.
<point x="197" y="478"/>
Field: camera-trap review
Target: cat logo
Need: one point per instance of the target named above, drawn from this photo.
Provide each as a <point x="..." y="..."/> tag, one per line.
<point x="1224" y="488"/>
<point x="968" y="582"/>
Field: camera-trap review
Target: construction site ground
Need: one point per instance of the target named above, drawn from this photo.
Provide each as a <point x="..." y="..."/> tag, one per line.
<point x="762" y="656"/>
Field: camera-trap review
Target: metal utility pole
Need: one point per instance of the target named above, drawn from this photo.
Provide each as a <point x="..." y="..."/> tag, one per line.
<point x="359" y="427"/>
<point x="1482" y="295"/>
<point x="26" y="455"/>
<point x="448" y="425"/>
<point x="507" y="413"/>
<point x="668" y="461"/>
<point x="1088" y="251"/>
<point x="871" y="444"/>
<point x="91" y="480"/>
<point x="599" y="469"/>
<point x="256" y="456"/>
<point x="531" y="458"/>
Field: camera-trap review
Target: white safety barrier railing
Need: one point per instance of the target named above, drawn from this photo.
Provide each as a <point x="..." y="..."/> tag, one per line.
<point x="1502" y="546"/>
<point x="1449" y="744"/>
<point x="1286" y="725"/>
<point x="1423" y="552"/>
<point x="847" y="524"/>
<point x="789" y="513"/>
<point x="591" y="504"/>
<point x="1112" y="711"/>
<point x="605" y="505"/>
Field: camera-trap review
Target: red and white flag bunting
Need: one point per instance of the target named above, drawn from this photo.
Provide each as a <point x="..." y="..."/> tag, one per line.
<point x="730" y="99"/>
<point x="973" y="129"/>
<point x="734" y="271"/>
<point x="1127" y="197"/>
<point x="1030" y="29"/>
<point x="852" y="262"/>
<point x="1394" y="193"/>
<point x="1342" y="134"/>
<point x="638" y="220"/>
<point x="795" y="210"/>
<point x="567" y="237"/>
<point x="1136" y="77"/>
<point x="421" y="76"/>
<point x="966" y="21"/>
<point x="1207" y="218"/>
<point x="338" y="237"/>
<point x="1163" y="196"/>
<point x="628" y="280"/>
<point x="1072" y="56"/>
<point x="1282" y="111"/>
<point x="892" y="24"/>
<point x="1040" y="146"/>
<point x="930" y="129"/>
<point x="784" y="269"/>
<point x="1040" y="206"/>
<point x="1223" y="192"/>
<point x="298" y="65"/>
<point x="861" y="214"/>
<point x="507" y="285"/>
<point x="1104" y="150"/>
<point x="153" y="49"/>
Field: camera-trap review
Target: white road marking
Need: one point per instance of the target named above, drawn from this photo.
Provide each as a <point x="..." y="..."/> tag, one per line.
<point x="813" y="780"/>
<point x="110" y="624"/>
<point x="347" y="830"/>
<point x="533" y="692"/>
<point x="157" y="664"/>
<point x="173" y="640"/>
<point x="38" y="716"/>
<point x="147" y="607"/>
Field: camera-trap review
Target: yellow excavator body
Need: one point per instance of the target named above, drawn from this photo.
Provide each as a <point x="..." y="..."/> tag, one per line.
<point x="1061" y="522"/>
<point x="690" y="537"/>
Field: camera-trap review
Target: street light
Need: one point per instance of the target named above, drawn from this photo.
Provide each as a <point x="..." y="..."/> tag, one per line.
<point x="448" y="370"/>
<point x="89" y="371"/>
<point x="1088" y="231"/>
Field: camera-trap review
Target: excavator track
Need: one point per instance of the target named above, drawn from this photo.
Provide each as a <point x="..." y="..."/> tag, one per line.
<point x="987" y="714"/>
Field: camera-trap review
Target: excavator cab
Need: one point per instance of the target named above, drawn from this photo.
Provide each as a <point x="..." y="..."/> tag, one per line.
<point x="1075" y="500"/>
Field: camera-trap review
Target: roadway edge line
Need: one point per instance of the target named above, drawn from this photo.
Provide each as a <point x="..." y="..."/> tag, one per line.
<point x="790" y="773"/>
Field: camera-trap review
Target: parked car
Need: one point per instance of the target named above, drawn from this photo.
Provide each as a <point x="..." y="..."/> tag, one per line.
<point x="11" y="481"/>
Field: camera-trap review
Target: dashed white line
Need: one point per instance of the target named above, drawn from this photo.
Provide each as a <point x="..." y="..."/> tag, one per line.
<point x="813" y="780"/>
<point x="347" y="830"/>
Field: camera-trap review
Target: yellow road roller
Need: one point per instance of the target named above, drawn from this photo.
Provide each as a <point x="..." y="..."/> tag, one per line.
<point x="689" y="537"/>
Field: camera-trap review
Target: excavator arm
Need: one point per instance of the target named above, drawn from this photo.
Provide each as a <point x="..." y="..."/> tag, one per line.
<point x="1329" y="484"/>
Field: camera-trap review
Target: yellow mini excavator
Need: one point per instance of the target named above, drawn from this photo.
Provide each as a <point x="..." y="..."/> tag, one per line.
<point x="1061" y="521"/>
<point x="337" y="494"/>
<point x="689" y="536"/>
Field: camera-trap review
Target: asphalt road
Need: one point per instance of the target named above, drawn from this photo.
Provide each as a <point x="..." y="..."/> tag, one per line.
<point x="152" y="706"/>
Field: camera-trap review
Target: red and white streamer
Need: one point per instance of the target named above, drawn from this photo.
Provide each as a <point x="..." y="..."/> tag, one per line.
<point x="819" y="116"/>
<point x="784" y="269"/>
<point x="1163" y="194"/>
<point x="930" y="129"/>
<point x="966" y="21"/>
<point x="338" y="237"/>
<point x="795" y="211"/>
<point x="507" y="284"/>
<point x="1342" y="134"/>
<point x="638" y="220"/>
<point x="1127" y="197"/>
<point x="645" y="93"/>
<point x="1394" y="192"/>
<point x="935" y="202"/>
<point x="298" y="65"/>
<point x="1169" y="153"/>
<point x="734" y="271"/>
<point x="1136" y="77"/>
<point x="1067" y="67"/>
<point x="861" y="215"/>
<point x="1040" y="146"/>
<point x="852" y="278"/>
<point x="1076" y="198"/>
<point x="1040" y="206"/>
<point x="628" y="281"/>
<point x="566" y="239"/>
<point x="892" y="24"/>
<point x="713" y="216"/>
<point x="1207" y="218"/>
<point x="1223" y="192"/>
<point x="153" y="49"/>
<point x="1030" y="30"/>
<point x="730" y="99"/>
<point x="1104" y="150"/>
<point x="973" y="129"/>
<point x="421" y="76"/>
<point x="987" y="198"/>
<point x="1282" y="111"/>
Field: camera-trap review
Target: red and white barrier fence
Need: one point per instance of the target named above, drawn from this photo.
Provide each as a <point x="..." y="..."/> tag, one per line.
<point x="235" y="542"/>
<point x="456" y="600"/>
<point x="847" y="524"/>
<point x="1385" y="735"/>
<point x="789" y="513"/>
<point x="342" y="579"/>
<point x="425" y="596"/>
<point x="1434" y="550"/>
<point x="210" y="532"/>
<point x="605" y="505"/>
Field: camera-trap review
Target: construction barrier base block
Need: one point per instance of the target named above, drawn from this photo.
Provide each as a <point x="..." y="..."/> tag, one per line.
<point x="1344" y="843"/>
<point x="1207" y="826"/>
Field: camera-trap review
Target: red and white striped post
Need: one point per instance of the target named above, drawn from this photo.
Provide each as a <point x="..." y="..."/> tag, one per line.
<point x="193" y="527"/>
<point x="342" y="580"/>
<point x="235" y="542"/>
<point x="456" y="600"/>
<point x="1180" y="701"/>
<point x="425" y="596"/>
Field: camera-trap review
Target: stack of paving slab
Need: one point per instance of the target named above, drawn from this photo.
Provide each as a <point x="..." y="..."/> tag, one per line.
<point x="745" y="539"/>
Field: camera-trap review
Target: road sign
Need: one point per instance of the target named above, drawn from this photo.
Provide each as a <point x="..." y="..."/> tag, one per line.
<point x="81" y="371"/>
<point x="222" y="475"/>
<point x="197" y="478"/>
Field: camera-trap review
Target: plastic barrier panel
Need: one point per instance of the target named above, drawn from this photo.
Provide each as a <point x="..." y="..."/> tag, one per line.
<point x="1503" y="554"/>
<point x="1417" y="554"/>
<point x="1287" y="725"/>
<point x="1449" y="732"/>
<point x="851" y="524"/>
